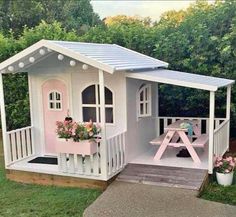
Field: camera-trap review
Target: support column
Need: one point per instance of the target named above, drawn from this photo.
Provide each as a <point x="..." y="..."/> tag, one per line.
<point x="228" y="101"/>
<point x="4" y="126"/>
<point x="211" y="131"/>
<point x="157" y="111"/>
<point x="103" y="144"/>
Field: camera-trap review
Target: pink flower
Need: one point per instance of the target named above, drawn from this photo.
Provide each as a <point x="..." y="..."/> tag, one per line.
<point x="227" y="171"/>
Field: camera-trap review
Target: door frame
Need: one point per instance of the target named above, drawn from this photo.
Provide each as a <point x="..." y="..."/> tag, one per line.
<point x="69" y="105"/>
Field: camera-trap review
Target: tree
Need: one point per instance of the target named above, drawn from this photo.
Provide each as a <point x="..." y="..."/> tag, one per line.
<point x="73" y="14"/>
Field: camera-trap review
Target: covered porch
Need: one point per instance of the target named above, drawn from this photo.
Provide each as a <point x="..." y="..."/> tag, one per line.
<point x="213" y="136"/>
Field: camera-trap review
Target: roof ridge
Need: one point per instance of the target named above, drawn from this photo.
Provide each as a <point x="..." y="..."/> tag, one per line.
<point x="79" y="42"/>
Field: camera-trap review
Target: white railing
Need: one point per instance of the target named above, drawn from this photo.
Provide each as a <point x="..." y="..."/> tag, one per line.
<point x="221" y="139"/>
<point x="20" y="144"/>
<point x="84" y="166"/>
<point x="116" y="153"/>
<point x="162" y="122"/>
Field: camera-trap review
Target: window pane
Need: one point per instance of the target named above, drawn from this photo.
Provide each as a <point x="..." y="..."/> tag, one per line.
<point x="109" y="115"/>
<point x="51" y="105"/>
<point x="58" y="96"/>
<point x="88" y="95"/>
<point x="147" y="108"/>
<point x="141" y="96"/>
<point x="89" y="114"/>
<point x="146" y="93"/>
<point x="58" y="105"/>
<point x="51" y="96"/>
<point x="141" y="108"/>
<point x="108" y="97"/>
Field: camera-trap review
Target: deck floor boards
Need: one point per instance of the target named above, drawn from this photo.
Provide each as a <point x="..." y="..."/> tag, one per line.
<point x="164" y="176"/>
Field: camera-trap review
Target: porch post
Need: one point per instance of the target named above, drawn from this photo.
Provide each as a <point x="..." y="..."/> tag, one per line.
<point x="157" y="111"/>
<point x="228" y="100"/>
<point x="103" y="144"/>
<point x="4" y="125"/>
<point x="211" y="131"/>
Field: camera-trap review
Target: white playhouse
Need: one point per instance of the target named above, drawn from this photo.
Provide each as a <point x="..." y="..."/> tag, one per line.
<point x="117" y="88"/>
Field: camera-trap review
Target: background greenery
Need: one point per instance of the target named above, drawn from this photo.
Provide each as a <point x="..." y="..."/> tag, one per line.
<point x="201" y="39"/>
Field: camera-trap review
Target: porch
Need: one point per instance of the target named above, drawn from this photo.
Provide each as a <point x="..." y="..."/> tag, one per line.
<point x="21" y="150"/>
<point x="169" y="159"/>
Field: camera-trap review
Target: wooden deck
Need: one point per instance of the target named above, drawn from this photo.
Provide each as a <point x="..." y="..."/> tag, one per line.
<point x="193" y="179"/>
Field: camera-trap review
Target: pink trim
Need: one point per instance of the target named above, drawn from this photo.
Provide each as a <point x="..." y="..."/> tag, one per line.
<point x="85" y="147"/>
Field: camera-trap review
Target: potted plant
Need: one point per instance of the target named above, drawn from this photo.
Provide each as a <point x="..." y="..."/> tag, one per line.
<point x="225" y="170"/>
<point x="77" y="138"/>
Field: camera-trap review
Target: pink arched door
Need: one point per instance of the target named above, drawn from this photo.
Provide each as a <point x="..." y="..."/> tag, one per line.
<point x="55" y="106"/>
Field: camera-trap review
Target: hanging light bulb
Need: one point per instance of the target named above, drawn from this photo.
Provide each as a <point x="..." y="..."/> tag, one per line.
<point x="32" y="59"/>
<point x="11" y="68"/>
<point x="42" y="51"/>
<point x="72" y="63"/>
<point x="60" y="57"/>
<point x="84" y="66"/>
<point x="21" y="65"/>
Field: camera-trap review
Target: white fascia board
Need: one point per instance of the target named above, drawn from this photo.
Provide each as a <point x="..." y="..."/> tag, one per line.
<point x="141" y="76"/>
<point x="79" y="57"/>
<point x="21" y="54"/>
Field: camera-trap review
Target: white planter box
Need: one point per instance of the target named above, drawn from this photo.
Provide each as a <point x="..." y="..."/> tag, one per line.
<point x="225" y="179"/>
<point x="85" y="147"/>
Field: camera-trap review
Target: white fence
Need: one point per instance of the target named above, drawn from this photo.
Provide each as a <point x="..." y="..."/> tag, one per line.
<point x="88" y="165"/>
<point x="221" y="138"/>
<point x="116" y="153"/>
<point x="20" y="144"/>
<point x="162" y="122"/>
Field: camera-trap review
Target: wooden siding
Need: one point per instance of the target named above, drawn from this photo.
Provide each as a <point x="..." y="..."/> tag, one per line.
<point x="56" y="180"/>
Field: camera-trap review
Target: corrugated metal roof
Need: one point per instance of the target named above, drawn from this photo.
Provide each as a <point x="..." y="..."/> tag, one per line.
<point x="182" y="79"/>
<point x="117" y="57"/>
<point x="107" y="57"/>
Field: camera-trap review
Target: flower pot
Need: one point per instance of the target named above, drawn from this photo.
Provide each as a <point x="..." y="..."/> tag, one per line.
<point x="85" y="147"/>
<point x="225" y="179"/>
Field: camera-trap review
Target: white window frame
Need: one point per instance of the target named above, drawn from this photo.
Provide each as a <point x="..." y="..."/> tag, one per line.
<point x="54" y="100"/>
<point x="146" y="89"/>
<point x="97" y="105"/>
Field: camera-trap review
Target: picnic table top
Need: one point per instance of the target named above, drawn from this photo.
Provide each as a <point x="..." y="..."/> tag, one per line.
<point x="176" y="125"/>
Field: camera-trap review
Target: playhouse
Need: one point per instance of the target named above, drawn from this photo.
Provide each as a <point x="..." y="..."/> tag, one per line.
<point x="117" y="88"/>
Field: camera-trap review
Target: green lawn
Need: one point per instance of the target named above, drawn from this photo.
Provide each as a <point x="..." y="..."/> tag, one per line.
<point x="219" y="193"/>
<point x="40" y="201"/>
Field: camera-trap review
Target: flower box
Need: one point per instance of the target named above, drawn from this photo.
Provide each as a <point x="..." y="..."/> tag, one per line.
<point x="84" y="147"/>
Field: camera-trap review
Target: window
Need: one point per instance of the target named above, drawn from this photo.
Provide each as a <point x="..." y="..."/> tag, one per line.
<point x="55" y="101"/>
<point x="144" y="101"/>
<point x="91" y="104"/>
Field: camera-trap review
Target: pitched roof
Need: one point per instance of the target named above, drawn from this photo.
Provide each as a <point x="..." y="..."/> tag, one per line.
<point x="108" y="57"/>
<point x="182" y="79"/>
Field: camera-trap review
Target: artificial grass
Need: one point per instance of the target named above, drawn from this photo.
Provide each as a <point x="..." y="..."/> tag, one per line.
<point x="42" y="201"/>
<point x="218" y="193"/>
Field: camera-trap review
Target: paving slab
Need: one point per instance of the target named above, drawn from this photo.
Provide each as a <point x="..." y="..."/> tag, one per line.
<point x="122" y="199"/>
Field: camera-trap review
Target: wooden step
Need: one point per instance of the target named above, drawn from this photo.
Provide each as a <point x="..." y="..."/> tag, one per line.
<point x="164" y="176"/>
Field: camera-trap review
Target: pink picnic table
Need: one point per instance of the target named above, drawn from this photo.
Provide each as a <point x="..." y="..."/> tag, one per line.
<point x="173" y="133"/>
